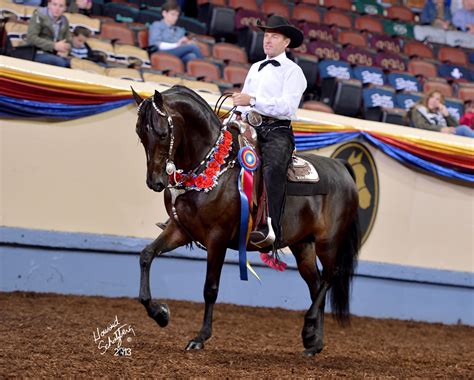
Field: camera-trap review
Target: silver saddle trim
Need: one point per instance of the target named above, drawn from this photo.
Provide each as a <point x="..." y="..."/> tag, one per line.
<point x="301" y="170"/>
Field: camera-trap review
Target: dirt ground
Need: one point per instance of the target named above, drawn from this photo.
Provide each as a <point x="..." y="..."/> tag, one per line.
<point x="53" y="335"/>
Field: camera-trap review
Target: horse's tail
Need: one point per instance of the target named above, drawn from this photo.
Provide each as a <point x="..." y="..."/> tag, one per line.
<point x="346" y="262"/>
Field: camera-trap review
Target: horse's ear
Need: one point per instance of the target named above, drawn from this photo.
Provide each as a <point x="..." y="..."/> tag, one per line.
<point x="158" y="99"/>
<point x="137" y="97"/>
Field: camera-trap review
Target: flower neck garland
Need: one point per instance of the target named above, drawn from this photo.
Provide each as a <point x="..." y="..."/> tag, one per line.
<point x="208" y="178"/>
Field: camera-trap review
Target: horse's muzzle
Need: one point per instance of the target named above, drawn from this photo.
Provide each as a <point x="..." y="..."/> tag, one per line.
<point x="156" y="186"/>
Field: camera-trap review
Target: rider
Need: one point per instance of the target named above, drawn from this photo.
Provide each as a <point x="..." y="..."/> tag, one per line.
<point x="273" y="89"/>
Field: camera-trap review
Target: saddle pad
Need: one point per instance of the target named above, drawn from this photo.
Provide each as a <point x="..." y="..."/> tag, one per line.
<point x="310" y="188"/>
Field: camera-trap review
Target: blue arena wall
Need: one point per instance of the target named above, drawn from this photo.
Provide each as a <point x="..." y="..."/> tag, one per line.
<point x="106" y="265"/>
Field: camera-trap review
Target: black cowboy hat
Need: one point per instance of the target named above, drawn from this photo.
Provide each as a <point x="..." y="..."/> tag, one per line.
<point x="283" y="26"/>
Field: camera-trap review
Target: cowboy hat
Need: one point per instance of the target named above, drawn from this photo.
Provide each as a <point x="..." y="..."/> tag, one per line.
<point x="283" y="26"/>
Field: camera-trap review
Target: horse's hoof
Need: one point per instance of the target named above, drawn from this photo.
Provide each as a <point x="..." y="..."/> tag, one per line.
<point x="315" y="349"/>
<point x="193" y="345"/>
<point x="309" y="353"/>
<point x="162" y="315"/>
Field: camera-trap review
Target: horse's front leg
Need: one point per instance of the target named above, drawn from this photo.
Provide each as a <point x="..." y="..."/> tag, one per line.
<point x="215" y="259"/>
<point x="169" y="239"/>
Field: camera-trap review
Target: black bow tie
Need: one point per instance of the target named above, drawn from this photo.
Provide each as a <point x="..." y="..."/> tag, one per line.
<point x="272" y="61"/>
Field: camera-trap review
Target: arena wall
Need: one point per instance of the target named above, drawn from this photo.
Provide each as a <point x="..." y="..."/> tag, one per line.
<point x="63" y="183"/>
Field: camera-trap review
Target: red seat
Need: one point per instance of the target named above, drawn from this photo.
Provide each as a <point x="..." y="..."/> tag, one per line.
<point x="417" y="49"/>
<point x="167" y="62"/>
<point x="352" y="38"/>
<point x="368" y="23"/>
<point x="466" y="91"/>
<point x="442" y="87"/>
<point x="453" y="55"/>
<point x="142" y="38"/>
<point x="397" y="12"/>
<point x="229" y="52"/>
<point x="339" y="19"/>
<point x="275" y="7"/>
<point x="345" y="5"/>
<point x="116" y="31"/>
<point x="423" y="68"/>
<point x="245" y="4"/>
<point x="203" y="69"/>
<point x="235" y="74"/>
<point x="308" y="14"/>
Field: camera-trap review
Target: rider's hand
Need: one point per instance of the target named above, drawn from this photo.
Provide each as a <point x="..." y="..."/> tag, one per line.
<point x="241" y="99"/>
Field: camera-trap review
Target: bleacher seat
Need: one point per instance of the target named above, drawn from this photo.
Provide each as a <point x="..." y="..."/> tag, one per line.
<point x="77" y="19"/>
<point x="452" y="55"/>
<point x="403" y="82"/>
<point x="466" y="91"/>
<point x="119" y="32"/>
<point x="358" y="56"/>
<point x="400" y="13"/>
<point x="436" y="85"/>
<point x="202" y="69"/>
<point x="455" y="72"/>
<point x="305" y="13"/>
<point x="245" y="18"/>
<point x="13" y="11"/>
<point x="406" y="100"/>
<point x="337" y="19"/>
<point x="385" y="43"/>
<point x="127" y="54"/>
<point x="352" y="38"/>
<point x="324" y="50"/>
<point x="235" y="75"/>
<point x="419" y="67"/>
<point x="369" y="24"/>
<point x="390" y="61"/>
<point x="275" y="7"/>
<point x="369" y="75"/>
<point x="319" y="32"/>
<point x="167" y="63"/>
<point x="368" y="7"/>
<point x="401" y="29"/>
<point x="418" y="49"/>
<point x="379" y="105"/>
<point x="229" y="53"/>
<point x="314" y="105"/>
<point x="345" y="5"/>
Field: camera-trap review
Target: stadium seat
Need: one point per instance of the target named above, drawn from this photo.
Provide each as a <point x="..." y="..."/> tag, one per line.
<point x="167" y="63"/>
<point x="358" y="56"/>
<point x="455" y="72"/>
<point x="385" y="43"/>
<point x="406" y="100"/>
<point x="418" y="49"/>
<point x="148" y="16"/>
<point x="142" y="37"/>
<point x="455" y="107"/>
<point x="345" y="5"/>
<point x="396" y="28"/>
<point x="352" y="38"/>
<point x="119" y="32"/>
<point x="203" y="70"/>
<point x="205" y="47"/>
<point x="319" y="32"/>
<point x="275" y="7"/>
<point x="403" y="82"/>
<point x="128" y="55"/>
<point x="221" y="22"/>
<point x="192" y="25"/>
<point x="13" y="11"/>
<point x="254" y="45"/>
<point x="121" y="12"/>
<point x="466" y="91"/>
<point x="368" y="7"/>
<point x="415" y="5"/>
<point x="102" y="48"/>
<point x="369" y="75"/>
<point x="337" y="19"/>
<point x="302" y="49"/>
<point x="422" y="68"/>
<point x="400" y="13"/>
<point x="324" y="50"/>
<point x="123" y="73"/>
<point x="452" y="55"/>
<point x="379" y="105"/>
<point x="235" y="75"/>
<point x="309" y="65"/>
<point x="244" y="4"/>
<point x="305" y="13"/>
<point x="435" y="85"/>
<point x="314" y="105"/>
<point x="229" y="52"/>
<point x="369" y="24"/>
<point x="77" y="19"/>
<point x="390" y="61"/>
<point x="334" y="69"/>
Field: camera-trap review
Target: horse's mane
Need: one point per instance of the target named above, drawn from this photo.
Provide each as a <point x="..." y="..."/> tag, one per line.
<point x="183" y="90"/>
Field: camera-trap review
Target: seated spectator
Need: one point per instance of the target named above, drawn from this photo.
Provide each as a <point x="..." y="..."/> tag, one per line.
<point x="168" y="37"/>
<point x="80" y="6"/>
<point x="468" y="117"/>
<point x="431" y="113"/>
<point x="48" y="31"/>
<point x="79" y="48"/>
<point x="463" y="19"/>
<point x="437" y="13"/>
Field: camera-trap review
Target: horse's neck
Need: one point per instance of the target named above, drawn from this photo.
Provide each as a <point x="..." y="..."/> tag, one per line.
<point x="198" y="136"/>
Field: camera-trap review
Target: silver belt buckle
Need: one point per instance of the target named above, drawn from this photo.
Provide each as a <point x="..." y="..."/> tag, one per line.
<point x="254" y="119"/>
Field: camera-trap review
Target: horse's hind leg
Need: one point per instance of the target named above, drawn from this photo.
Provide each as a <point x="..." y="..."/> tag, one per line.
<point x="169" y="239"/>
<point x="215" y="259"/>
<point x="313" y="328"/>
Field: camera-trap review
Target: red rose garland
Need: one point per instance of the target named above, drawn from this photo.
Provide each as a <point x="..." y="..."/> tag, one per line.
<point x="207" y="180"/>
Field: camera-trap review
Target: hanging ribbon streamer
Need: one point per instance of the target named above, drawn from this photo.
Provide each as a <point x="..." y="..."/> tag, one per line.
<point x="249" y="162"/>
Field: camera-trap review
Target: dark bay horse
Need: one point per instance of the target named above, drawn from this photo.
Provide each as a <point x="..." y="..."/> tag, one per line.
<point x="179" y="130"/>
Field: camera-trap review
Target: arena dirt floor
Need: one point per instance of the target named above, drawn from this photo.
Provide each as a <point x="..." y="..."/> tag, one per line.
<point x="46" y="335"/>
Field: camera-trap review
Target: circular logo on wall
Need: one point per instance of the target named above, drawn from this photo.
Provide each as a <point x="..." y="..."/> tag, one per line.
<point x="367" y="182"/>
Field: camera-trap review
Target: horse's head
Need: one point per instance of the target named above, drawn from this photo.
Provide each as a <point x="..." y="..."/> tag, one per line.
<point x="154" y="127"/>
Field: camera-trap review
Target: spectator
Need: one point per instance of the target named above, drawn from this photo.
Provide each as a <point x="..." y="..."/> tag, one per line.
<point x="48" y="31"/>
<point x="463" y="19"/>
<point x="79" y="48"/>
<point x="468" y="117"/>
<point x="80" y="6"/>
<point x="436" y="13"/>
<point x="169" y="38"/>
<point x="431" y="113"/>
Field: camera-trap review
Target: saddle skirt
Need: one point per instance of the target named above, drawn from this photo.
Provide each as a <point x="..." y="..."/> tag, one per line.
<point x="300" y="170"/>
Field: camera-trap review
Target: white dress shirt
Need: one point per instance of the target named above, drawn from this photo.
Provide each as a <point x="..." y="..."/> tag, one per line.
<point x="277" y="90"/>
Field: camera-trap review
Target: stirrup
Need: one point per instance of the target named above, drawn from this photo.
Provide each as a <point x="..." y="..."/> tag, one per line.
<point x="263" y="240"/>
